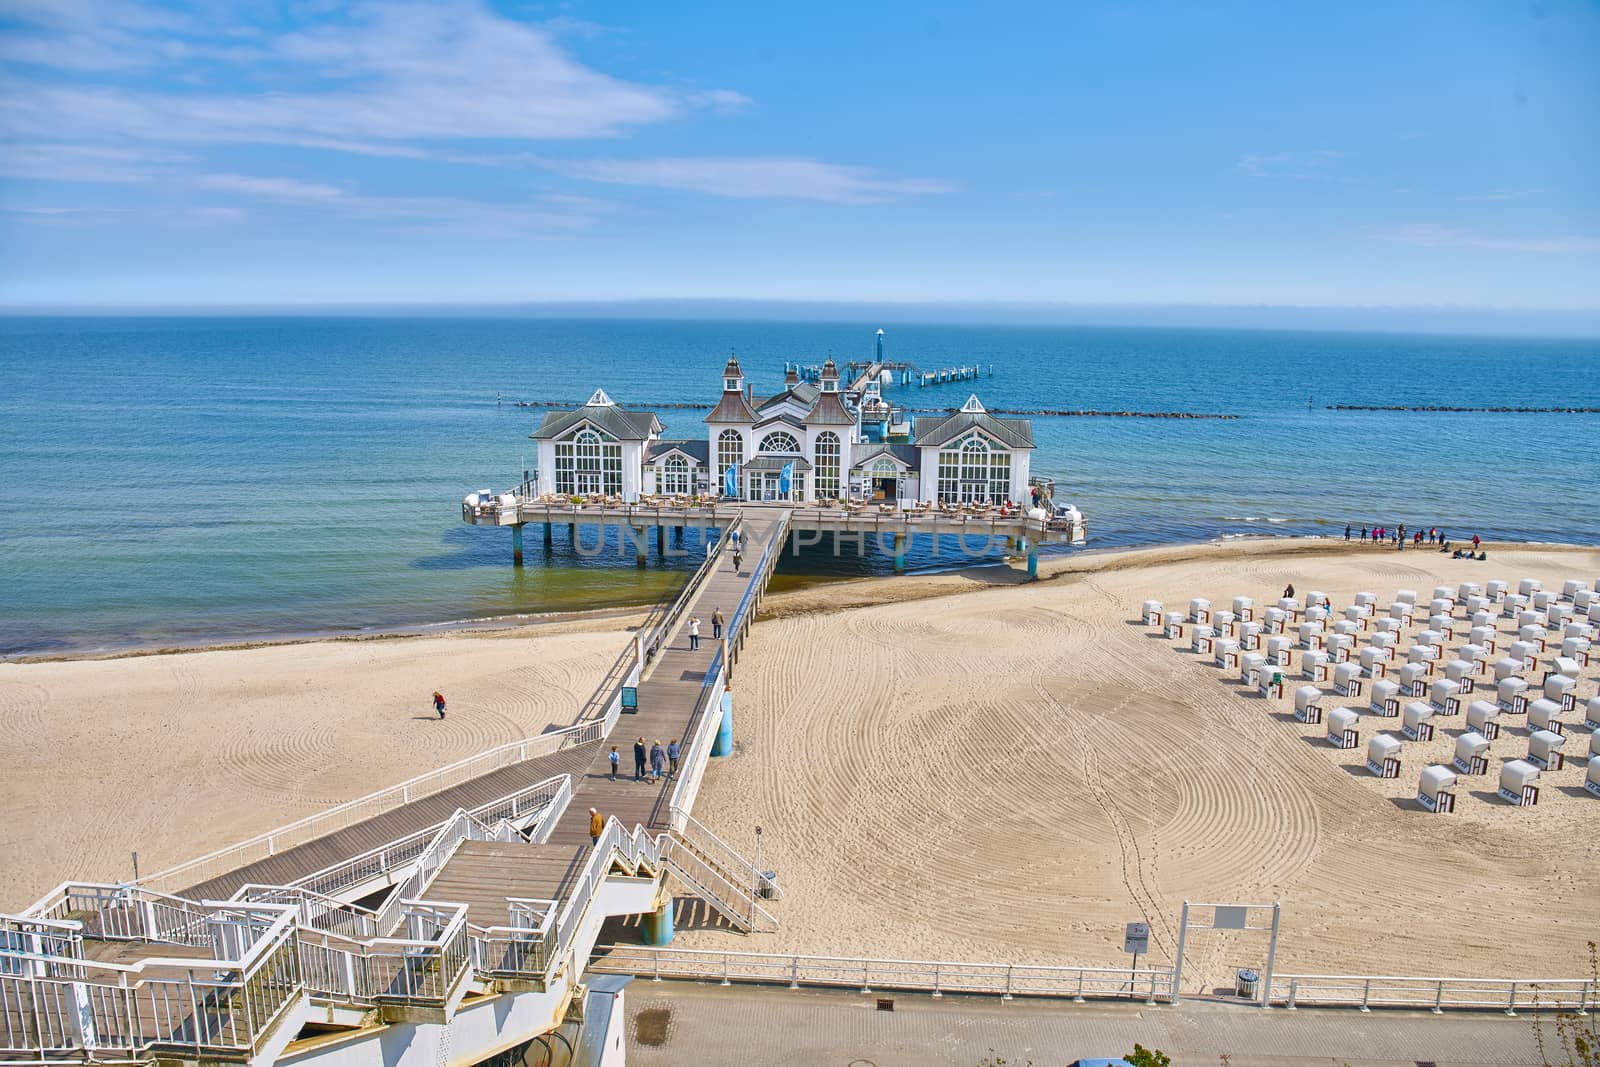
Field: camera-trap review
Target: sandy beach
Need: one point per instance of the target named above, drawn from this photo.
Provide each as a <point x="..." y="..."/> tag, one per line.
<point x="952" y="766"/>
<point x="177" y="755"/>
<point x="1013" y="773"/>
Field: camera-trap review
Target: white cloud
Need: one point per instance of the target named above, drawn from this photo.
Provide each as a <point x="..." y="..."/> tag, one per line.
<point x="386" y="74"/>
<point x="289" y="189"/>
<point x="750" y="177"/>
<point x="83" y="163"/>
<point x="1431" y="235"/>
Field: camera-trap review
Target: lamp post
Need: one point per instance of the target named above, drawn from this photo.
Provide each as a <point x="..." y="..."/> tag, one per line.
<point x="755" y="879"/>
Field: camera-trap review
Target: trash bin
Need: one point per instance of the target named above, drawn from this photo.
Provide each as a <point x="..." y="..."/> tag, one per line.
<point x="1247" y="984"/>
<point x="767" y="886"/>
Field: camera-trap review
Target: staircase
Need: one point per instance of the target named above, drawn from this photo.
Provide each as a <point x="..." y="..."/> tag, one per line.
<point x="714" y="872"/>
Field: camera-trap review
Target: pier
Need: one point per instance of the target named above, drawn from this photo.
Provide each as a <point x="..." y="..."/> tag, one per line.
<point x="890" y="527"/>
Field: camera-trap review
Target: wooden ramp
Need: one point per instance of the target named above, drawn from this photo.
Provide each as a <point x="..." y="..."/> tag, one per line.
<point x="482" y="874"/>
<point x="391" y="825"/>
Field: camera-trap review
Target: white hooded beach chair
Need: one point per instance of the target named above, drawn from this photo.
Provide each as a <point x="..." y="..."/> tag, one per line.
<point x="1436" y="789"/>
<point x="1472" y="754"/>
<point x="1383" y="755"/>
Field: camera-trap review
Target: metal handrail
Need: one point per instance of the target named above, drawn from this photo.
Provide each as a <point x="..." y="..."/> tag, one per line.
<point x="1434" y="993"/>
<point x="552" y="794"/>
<point x="933" y="976"/>
<point x="692" y="588"/>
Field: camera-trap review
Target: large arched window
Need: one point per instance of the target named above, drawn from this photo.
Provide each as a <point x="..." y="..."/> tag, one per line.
<point x="730" y="450"/>
<point x="827" y="464"/>
<point x="675" y="475"/>
<point x="779" y="442"/>
<point x="974" y="471"/>
<point x="588" y="464"/>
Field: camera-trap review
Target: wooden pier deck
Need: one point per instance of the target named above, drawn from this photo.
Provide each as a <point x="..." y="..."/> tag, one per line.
<point x="668" y="700"/>
<point x="482" y="874"/>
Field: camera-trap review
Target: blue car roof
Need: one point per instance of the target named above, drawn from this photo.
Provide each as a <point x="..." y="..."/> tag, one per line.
<point x="1117" y="1062"/>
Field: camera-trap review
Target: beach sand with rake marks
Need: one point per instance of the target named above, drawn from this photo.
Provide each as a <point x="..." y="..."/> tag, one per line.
<point x="1012" y="774"/>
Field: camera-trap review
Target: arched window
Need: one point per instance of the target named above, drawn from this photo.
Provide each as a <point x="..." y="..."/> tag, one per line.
<point x="675" y="475"/>
<point x="779" y="442"/>
<point x="885" y="468"/>
<point x="588" y="464"/>
<point x="827" y="464"/>
<point x="974" y="471"/>
<point x="730" y="450"/>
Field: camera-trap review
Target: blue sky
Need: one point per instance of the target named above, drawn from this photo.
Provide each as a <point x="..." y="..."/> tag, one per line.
<point x="1440" y="154"/>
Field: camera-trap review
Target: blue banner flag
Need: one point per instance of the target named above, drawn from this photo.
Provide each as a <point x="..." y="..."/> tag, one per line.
<point x="786" y="478"/>
<point x="730" y="481"/>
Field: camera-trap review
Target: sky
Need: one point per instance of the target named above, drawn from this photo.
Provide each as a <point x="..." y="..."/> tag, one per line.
<point x="1433" y="155"/>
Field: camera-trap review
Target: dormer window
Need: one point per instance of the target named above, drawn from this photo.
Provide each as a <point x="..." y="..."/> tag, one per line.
<point x="731" y="385"/>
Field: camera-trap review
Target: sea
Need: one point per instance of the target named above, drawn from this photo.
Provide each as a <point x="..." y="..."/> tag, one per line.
<point x="199" y="480"/>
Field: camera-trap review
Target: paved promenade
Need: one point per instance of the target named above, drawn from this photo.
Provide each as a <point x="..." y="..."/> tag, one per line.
<point x="684" y="1022"/>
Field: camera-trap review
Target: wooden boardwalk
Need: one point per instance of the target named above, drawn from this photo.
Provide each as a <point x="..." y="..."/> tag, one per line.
<point x="391" y="825"/>
<point x="668" y="700"/>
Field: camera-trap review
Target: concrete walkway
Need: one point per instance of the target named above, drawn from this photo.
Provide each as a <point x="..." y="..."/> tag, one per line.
<point x="684" y="1022"/>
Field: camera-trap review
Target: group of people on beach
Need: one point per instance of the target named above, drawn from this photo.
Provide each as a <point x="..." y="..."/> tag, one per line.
<point x="649" y="764"/>
<point x="1398" y="537"/>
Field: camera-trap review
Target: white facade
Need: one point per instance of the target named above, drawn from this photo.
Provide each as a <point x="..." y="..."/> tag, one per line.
<point x="803" y="444"/>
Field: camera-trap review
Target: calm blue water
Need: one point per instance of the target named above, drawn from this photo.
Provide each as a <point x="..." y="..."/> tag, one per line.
<point x="172" y="480"/>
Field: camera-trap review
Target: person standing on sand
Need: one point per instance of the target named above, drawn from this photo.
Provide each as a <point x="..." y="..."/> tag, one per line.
<point x="1476" y="542"/>
<point x="638" y="760"/>
<point x="597" y="825"/>
<point x="1363" y="533"/>
<point x="438" y="703"/>
<point x="615" y="758"/>
<point x="694" y="633"/>
<point x="672" y="756"/>
<point x="658" y="760"/>
<point x="1288" y="591"/>
<point x="1347" y="531"/>
<point x="716" y="624"/>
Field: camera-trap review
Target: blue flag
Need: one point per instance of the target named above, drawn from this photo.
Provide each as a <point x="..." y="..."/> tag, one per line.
<point x="786" y="478"/>
<point x="730" y="481"/>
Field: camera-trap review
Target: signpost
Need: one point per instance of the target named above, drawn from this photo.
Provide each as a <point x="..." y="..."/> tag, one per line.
<point x="1135" y="939"/>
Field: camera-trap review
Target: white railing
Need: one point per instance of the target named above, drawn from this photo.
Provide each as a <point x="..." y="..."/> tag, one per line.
<point x="927" y="976"/>
<point x="733" y="896"/>
<point x="521" y="949"/>
<point x="547" y="799"/>
<point x="456" y="829"/>
<point x="315" y="911"/>
<point x="635" y="847"/>
<point x="706" y="722"/>
<point x="50" y="1007"/>
<point x="1388" y="991"/>
<point x="728" y="861"/>
<point x="127" y="913"/>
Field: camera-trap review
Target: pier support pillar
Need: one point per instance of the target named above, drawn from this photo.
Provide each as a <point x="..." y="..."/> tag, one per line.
<point x="516" y="544"/>
<point x="657" y="925"/>
<point x="549" y="534"/>
<point x="899" y="553"/>
<point x="637" y="536"/>
<point x="1033" y="559"/>
<point x="677" y="536"/>
<point x="723" y="745"/>
<point x="661" y="540"/>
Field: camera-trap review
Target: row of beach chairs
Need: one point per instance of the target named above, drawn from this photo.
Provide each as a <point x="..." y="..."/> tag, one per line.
<point x="1263" y="652"/>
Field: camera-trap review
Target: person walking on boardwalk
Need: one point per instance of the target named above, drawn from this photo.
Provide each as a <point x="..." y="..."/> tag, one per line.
<point x="672" y="756"/>
<point x="694" y="633"/>
<point x="597" y="825"/>
<point x="638" y="760"/>
<point x="716" y="624"/>
<point x="438" y="703"/>
<point x="615" y="758"/>
<point x="738" y="559"/>
<point x="658" y="760"/>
